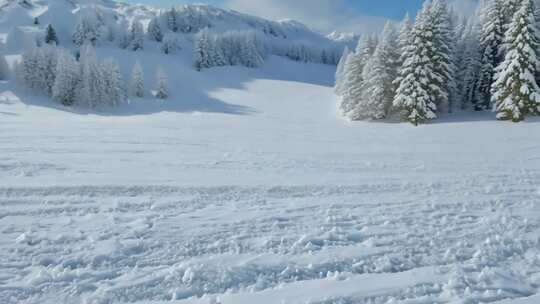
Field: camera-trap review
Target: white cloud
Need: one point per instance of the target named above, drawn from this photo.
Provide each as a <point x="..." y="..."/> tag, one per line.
<point x="323" y="15"/>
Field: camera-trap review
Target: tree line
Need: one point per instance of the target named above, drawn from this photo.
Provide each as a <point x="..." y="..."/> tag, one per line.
<point x="81" y="78"/>
<point x="443" y="62"/>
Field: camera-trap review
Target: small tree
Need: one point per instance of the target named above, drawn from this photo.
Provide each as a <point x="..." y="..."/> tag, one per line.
<point x="67" y="79"/>
<point x="340" y="71"/>
<point x="172" y="20"/>
<point x="379" y="75"/>
<point x="154" y="30"/>
<point x="91" y="87"/>
<point x="137" y="81"/>
<point x="114" y="91"/>
<point x="170" y="44"/>
<point x="137" y="36"/>
<point x="86" y="30"/>
<point x="162" y="91"/>
<point x="50" y="36"/>
<point x="202" y="51"/>
<point x="4" y="68"/>
<point x="353" y="80"/>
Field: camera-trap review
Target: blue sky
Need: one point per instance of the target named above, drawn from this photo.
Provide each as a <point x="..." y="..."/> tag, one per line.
<point x="323" y="15"/>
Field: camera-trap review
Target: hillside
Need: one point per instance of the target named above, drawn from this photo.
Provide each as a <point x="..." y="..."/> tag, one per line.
<point x="63" y="14"/>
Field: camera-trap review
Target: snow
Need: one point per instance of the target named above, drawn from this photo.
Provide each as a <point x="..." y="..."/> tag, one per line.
<point x="246" y="186"/>
<point x="260" y="193"/>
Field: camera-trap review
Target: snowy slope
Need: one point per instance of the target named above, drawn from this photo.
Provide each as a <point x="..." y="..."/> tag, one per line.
<point x="246" y="187"/>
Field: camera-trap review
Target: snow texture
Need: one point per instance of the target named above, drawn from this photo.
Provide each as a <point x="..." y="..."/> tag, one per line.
<point x="245" y="186"/>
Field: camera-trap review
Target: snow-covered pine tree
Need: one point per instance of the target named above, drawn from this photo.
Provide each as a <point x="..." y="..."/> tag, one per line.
<point x="250" y="55"/>
<point x="515" y="91"/>
<point x="172" y="20"/>
<point x="136" y="36"/>
<point x="340" y="72"/>
<point x="353" y="80"/>
<point x="403" y="42"/>
<point x="162" y="91"/>
<point x="137" y="81"/>
<point x="113" y="84"/>
<point x="491" y="43"/>
<point x="67" y="79"/>
<point x="404" y="35"/>
<point x="4" y="68"/>
<point x="379" y="76"/>
<point x="46" y="72"/>
<point x="217" y="56"/>
<point x="86" y="30"/>
<point x="202" y="50"/>
<point x="154" y="30"/>
<point x="91" y="88"/>
<point x="444" y="68"/>
<point x="170" y="44"/>
<point x="29" y="66"/>
<point x="510" y="7"/>
<point x="123" y="37"/>
<point x="415" y="98"/>
<point x="470" y="65"/>
<point x="50" y="35"/>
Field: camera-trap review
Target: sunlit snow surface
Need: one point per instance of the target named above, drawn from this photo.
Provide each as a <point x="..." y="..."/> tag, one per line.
<point x="246" y="187"/>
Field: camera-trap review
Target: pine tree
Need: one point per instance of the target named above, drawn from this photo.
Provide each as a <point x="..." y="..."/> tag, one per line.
<point x="491" y="43"/>
<point x="404" y="41"/>
<point x="379" y="76"/>
<point x="67" y="79"/>
<point x="251" y="58"/>
<point x="162" y="91"/>
<point x="202" y="51"/>
<point x="470" y="68"/>
<point x="91" y="87"/>
<point x="113" y="85"/>
<point x="50" y="36"/>
<point x="29" y="66"/>
<point x="170" y="44"/>
<point x="123" y="37"/>
<point x="404" y="36"/>
<point x="46" y="72"/>
<point x="172" y="20"/>
<point x="444" y="67"/>
<point x="340" y="72"/>
<point x="86" y="30"/>
<point x="137" y="81"/>
<point x="415" y="96"/>
<point x="217" y="57"/>
<point x="154" y="30"/>
<point x="137" y="36"/>
<point x="353" y="80"/>
<point x="4" y="68"/>
<point x="515" y="91"/>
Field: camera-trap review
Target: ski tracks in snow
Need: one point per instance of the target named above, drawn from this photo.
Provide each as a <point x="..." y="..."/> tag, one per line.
<point x="374" y="243"/>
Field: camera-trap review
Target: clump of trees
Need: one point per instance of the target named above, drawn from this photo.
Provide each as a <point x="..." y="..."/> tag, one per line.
<point x="84" y="81"/>
<point x="445" y="63"/>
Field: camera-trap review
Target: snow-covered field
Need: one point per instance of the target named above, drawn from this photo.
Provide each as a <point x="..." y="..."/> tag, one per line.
<point x="257" y="192"/>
